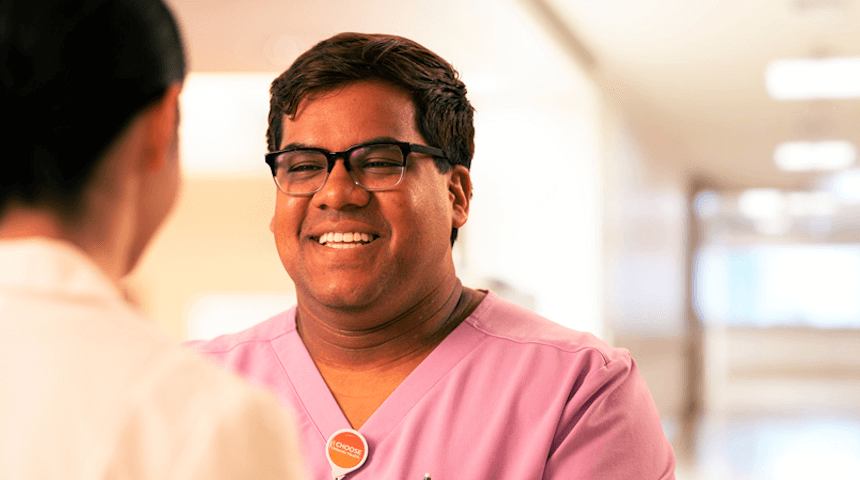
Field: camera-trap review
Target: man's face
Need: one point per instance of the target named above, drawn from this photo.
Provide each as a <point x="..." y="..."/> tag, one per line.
<point x="408" y="227"/>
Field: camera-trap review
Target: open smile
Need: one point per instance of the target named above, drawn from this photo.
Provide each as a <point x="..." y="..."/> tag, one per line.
<point x="345" y="240"/>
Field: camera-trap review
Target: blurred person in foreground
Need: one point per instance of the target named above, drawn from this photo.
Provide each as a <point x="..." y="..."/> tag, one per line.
<point x="89" y="388"/>
<point x="370" y="140"/>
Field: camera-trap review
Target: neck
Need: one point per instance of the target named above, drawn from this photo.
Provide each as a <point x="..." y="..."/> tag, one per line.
<point x="405" y="339"/>
<point x="101" y="240"/>
<point x="18" y="223"/>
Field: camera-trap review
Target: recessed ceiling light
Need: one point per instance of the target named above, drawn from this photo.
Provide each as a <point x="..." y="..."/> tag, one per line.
<point x="761" y="203"/>
<point x="812" y="156"/>
<point x="707" y="204"/>
<point x="846" y="186"/>
<point x="802" y="204"/>
<point x="813" y="78"/>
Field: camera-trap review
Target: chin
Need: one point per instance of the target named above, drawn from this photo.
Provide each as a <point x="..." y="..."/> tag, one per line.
<point x="347" y="297"/>
<point x="132" y="261"/>
<point x="137" y="249"/>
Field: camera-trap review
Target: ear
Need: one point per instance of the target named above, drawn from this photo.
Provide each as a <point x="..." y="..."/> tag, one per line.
<point x="272" y="224"/>
<point x="162" y="122"/>
<point x="460" y="193"/>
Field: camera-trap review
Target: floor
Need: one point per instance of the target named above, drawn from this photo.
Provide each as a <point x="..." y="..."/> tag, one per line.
<point x="824" y="445"/>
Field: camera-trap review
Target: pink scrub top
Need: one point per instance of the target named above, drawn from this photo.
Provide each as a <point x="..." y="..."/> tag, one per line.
<point x="507" y="395"/>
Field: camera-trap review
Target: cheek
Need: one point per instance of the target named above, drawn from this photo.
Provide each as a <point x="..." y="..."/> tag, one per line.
<point x="432" y="218"/>
<point x="287" y="218"/>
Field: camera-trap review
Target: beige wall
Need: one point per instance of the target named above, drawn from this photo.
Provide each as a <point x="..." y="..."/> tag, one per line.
<point x="216" y="241"/>
<point x="644" y="253"/>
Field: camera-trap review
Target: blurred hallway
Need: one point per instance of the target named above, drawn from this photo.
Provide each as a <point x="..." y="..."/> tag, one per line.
<point x="765" y="447"/>
<point x="699" y="220"/>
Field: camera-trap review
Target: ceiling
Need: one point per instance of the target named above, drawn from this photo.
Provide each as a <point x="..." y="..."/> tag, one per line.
<point x="688" y="75"/>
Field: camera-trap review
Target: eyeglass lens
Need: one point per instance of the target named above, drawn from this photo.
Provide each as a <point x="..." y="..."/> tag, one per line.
<point x="304" y="171"/>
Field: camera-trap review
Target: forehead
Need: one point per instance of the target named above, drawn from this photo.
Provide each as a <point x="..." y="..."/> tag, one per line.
<point x="352" y="114"/>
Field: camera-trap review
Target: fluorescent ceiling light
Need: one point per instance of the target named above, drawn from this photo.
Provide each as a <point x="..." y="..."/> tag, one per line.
<point x="846" y="186"/>
<point x="773" y="226"/>
<point x="807" y="78"/>
<point x="802" y="204"/>
<point x="809" y="156"/>
<point x="762" y="203"/>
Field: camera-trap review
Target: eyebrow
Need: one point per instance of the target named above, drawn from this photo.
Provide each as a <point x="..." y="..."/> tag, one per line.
<point x="384" y="139"/>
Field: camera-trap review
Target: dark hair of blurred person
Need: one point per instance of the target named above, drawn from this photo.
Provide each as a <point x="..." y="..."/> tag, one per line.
<point x="90" y="387"/>
<point x="74" y="74"/>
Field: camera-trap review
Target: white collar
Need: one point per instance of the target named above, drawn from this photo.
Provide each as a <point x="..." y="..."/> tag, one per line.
<point x="40" y="265"/>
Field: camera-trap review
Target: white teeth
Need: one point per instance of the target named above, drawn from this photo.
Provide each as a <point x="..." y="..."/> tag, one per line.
<point x="344" y="240"/>
<point x="343" y="245"/>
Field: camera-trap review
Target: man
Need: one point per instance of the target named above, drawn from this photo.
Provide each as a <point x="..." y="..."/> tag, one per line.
<point x="91" y="389"/>
<point x="371" y="139"/>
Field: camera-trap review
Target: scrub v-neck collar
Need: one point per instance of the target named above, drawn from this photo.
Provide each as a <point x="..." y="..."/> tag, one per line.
<point x="323" y="410"/>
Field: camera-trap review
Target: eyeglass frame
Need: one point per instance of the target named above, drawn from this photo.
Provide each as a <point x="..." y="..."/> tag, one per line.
<point x="331" y="158"/>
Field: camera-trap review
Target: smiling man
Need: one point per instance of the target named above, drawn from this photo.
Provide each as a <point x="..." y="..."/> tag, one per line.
<point x="370" y="141"/>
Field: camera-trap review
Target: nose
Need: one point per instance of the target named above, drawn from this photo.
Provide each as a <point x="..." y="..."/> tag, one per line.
<point x="340" y="190"/>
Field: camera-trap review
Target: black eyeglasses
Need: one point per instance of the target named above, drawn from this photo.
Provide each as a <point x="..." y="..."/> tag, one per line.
<point x="372" y="166"/>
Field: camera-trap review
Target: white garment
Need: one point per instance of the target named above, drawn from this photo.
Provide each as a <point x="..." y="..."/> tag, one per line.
<point x="90" y="389"/>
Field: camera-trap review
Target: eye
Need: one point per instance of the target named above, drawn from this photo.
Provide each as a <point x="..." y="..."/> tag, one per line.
<point x="301" y="161"/>
<point x="303" y="167"/>
<point x="381" y="163"/>
<point x="378" y="157"/>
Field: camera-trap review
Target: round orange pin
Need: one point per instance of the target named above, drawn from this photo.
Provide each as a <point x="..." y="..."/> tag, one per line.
<point x="346" y="450"/>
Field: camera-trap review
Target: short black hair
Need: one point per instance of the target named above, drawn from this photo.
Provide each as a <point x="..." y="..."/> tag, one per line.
<point x="73" y="74"/>
<point x="444" y="116"/>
